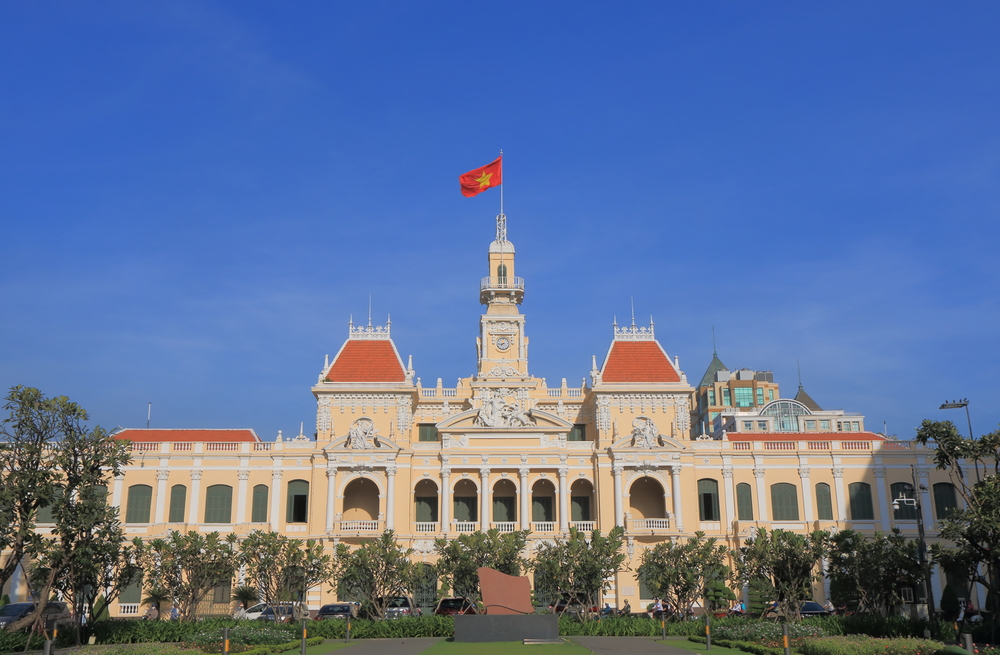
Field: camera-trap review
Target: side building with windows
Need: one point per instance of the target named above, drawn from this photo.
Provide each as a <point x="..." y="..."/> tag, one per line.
<point x="508" y="450"/>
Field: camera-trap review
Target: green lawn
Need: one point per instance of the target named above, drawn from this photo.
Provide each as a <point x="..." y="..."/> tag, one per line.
<point x="321" y="648"/>
<point x="699" y="648"/>
<point x="503" y="648"/>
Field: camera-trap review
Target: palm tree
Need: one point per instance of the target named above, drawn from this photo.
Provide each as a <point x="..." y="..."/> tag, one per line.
<point x="156" y="597"/>
<point x="245" y="595"/>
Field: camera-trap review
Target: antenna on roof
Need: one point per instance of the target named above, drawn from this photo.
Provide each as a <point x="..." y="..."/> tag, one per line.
<point x="799" y="366"/>
<point x="369" y="310"/>
<point x="632" y="300"/>
<point x="715" y="351"/>
<point x="149" y="413"/>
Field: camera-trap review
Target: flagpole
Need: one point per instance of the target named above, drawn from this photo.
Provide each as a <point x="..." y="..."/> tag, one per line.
<point x="501" y="181"/>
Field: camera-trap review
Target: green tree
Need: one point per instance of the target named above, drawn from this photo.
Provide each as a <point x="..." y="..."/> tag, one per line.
<point x="678" y="572"/>
<point x="281" y="568"/>
<point x="786" y="560"/>
<point x="188" y="566"/>
<point x="375" y="571"/>
<point x="580" y="565"/>
<point x="459" y="559"/>
<point x="873" y="570"/>
<point x="84" y="524"/>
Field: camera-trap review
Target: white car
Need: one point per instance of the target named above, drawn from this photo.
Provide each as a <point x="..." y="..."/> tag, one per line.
<point x="252" y="612"/>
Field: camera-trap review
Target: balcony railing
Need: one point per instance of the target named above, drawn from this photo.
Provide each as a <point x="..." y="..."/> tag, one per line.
<point x="128" y="609"/>
<point x="426" y="527"/>
<point x="584" y="526"/>
<point x="466" y="526"/>
<point x="650" y="524"/>
<point x="501" y="283"/>
<point x="359" y="526"/>
<point x="543" y="526"/>
<point x="505" y="526"/>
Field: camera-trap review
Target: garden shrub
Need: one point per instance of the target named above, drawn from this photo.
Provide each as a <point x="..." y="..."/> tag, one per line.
<point x="864" y="645"/>
<point x="242" y="637"/>
<point x="626" y="626"/>
<point x="746" y="646"/>
<point x="136" y="631"/>
<point x="765" y="632"/>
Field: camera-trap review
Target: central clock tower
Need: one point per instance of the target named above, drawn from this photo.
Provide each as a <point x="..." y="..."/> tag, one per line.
<point x="501" y="345"/>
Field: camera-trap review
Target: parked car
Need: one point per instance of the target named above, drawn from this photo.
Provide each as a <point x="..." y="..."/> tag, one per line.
<point x="284" y="613"/>
<point x="573" y="604"/>
<point x="252" y="612"/>
<point x="55" y="610"/>
<point x="452" y="606"/>
<point x="808" y="608"/>
<point x="337" y="611"/>
<point x="399" y="606"/>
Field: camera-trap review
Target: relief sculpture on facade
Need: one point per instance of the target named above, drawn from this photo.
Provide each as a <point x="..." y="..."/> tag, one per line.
<point x="645" y="433"/>
<point x="362" y="434"/>
<point x="496" y="412"/>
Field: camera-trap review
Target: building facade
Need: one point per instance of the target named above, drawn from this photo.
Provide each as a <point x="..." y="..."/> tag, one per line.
<point x="635" y="445"/>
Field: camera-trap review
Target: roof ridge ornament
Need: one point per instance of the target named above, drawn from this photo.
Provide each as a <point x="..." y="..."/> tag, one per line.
<point x="370" y="332"/>
<point x="634" y="332"/>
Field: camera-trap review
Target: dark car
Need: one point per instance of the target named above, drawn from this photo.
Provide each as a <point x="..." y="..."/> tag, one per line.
<point x="452" y="606"/>
<point x="808" y="608"/>
<point x="54" y="611"/>
<point x="337" y="611"/>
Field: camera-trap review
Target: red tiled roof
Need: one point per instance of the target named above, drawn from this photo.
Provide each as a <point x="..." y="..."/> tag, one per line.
<point x="638" y="361"/>
<point x="367" y="361"/>
<point x="158" y="435"/>
<point x="804" y="436"/>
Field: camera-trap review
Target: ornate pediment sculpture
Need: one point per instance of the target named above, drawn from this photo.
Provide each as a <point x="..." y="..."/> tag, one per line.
<point x="644" y="433"/>
<point x="496" y="412"/>
<point x="362" y="435"/>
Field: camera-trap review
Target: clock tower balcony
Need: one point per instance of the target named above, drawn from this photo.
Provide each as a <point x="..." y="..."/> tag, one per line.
<point x="493" y="288"/>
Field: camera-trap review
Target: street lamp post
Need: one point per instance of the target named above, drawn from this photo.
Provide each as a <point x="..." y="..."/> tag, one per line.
<point x="922" y="555"/>
<point x="958" y="404"/>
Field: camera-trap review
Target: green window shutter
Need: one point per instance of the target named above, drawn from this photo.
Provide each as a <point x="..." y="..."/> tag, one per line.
<point x="578" y="433"/>
<point x="178" y="503"/>
<point x="861" y="501"/>
<point x="219" y="504"/>
<point x="425" y="509"/>
<point x="824" y="503"/>
<point x="297" y="505"/>
<point x="580" y="508"/>
<point x="541" y="508"/>
<point x="44" y="514"/>
<point x="784" y="502"/>
<point x="258" y="511"/>
<point x="427" y="432"/>
<point x="905" y="512"/>
<point x="708" y="500"/>
<point x="465" y="508"/>
<point x="744" y="502"/>
<point x="140" y="496"/>
<point x="131" y="593"/>
<point x="503" y="508"/>
<point x="945" y="500"/>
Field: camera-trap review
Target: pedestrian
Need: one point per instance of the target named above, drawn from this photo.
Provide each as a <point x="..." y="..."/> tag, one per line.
<point x="626" y="609"/>
<point x="152" y="613"/>
<point x="658" y="609"/>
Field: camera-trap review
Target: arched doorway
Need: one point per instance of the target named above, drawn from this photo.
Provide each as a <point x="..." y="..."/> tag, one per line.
<point x="361" y="505"/>
<point x="425" y="506"/>
<point x="647" y="505"/>
<point x="582" y="502"/>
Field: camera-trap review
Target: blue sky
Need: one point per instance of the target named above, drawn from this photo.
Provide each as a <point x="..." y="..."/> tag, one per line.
<point x="195" y="196"/>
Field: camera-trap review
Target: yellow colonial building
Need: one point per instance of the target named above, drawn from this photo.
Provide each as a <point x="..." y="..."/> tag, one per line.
<point x="636" y="445"/>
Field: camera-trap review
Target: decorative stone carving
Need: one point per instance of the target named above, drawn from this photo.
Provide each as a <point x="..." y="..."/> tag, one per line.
<point x="362" y="435"/>
<point x="323" y="414"/>
<point x="644" y="433"/>
<point x="604" y="413"/>
<point x="331" y="472"/>
<point x="276" y="475"/>
<point x="496" y="412"/>
<point x="879" y="471"/>
<point x="452" y="441"/>
<point x="162" y="474"/>
<point x="758" y="473"/>
<point x="423" y="546"/>
<point x="727" y="473"/>
<point x="804" y="473"/>
<point x="523" y="472"/>
<point x="838" y="472"/>
<point x="404" y="413"/>
<point x="244" y="474"/>
<point x="196" y="475"/>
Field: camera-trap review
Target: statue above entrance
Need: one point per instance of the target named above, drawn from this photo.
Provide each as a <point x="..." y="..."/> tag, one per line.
<point x="362" y="434"/>
<point x="645" y="433"/>
<point x="496" y="412"/>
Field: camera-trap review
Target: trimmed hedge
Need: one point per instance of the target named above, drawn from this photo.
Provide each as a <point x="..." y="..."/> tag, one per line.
<point x="746" y="646"/>
<point x="281" y="648"/>
<point x="863" y="645"/>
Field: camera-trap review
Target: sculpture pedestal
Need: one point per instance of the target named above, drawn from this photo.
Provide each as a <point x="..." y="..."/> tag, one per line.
<point x="505" y="627"/>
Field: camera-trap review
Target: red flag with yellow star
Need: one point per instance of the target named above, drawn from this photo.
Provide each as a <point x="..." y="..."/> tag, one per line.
<point x="476" y="181"/>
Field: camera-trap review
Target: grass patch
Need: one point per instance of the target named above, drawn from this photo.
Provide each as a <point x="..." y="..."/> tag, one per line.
<point x="503" y="648"/>
<point x="699" y="648"/>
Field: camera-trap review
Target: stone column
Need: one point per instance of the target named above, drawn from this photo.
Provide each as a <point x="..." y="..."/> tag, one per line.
<point x="484" y="499"/>
<point x="761" y="494"/>
<point x="161" y="494"/>
<point x="807" y="505"/>
<point x="445" y="500"/>
<point x="563" y="501"/>
<point x="275" y="499"/>
<point x="885" y="509"/>
<point x="390" y="503"/>
<point x="675" y="478"/>
<point x="331" y="496"/>
<point x="619" y="510"/>
<point x="727" y="481"/>
<point x="241" y="496"/>
<point x="116" y="492"/>
<point x="525" y="498"/>
<point x="838" y="486"/>
<point x="195" y="497"/>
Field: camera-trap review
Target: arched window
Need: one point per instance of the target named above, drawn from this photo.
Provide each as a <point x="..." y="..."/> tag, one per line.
<point x="425" y="502"/>
<point x="258" y="510"/>
<point x="744" y="502"/>
<point x="219" y="504"/>
<point x="861" y="501"/>
<point x="298" y="502"/>
<point x="824" y="503"/>
<point x="784" y="502"/>
<point x="902" y="511"/>
<point x="708" y="500"/>
<point x="45" y="513"/>
<point x="465" y="507"/>
<point x="945" y="500"/>
<point x="502" y="273"/>
<point x="178" y="503"/>
<point x="787" y="413"/>
<point x="140" y="496"/>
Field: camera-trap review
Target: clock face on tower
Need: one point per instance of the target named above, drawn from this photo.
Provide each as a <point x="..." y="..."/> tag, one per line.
<point x="503" y="343"/>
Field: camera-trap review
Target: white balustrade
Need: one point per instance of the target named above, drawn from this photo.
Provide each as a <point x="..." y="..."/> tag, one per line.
<point x="584" y="526"/>
<point x="543" y="526"/>
<point x="466" y="526"/>
<point x="423" y="526"/>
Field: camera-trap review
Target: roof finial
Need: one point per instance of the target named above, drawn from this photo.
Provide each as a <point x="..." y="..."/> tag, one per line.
<point x="369" y="310"/>
<point x="799" y="367"/>
<point x="715" y="351"/>
<point x="632" y="300"/>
